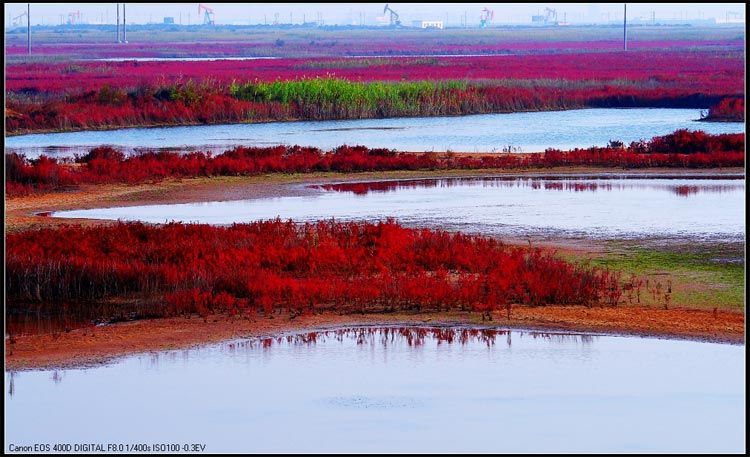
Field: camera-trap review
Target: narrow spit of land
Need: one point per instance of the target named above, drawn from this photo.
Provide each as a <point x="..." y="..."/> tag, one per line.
<point x="708" y="310"/>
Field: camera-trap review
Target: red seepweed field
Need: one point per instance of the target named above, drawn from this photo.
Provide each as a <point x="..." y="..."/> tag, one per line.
<point x="53" y="96"/>
<point x="684" y="69"/>
<point x="266" y="266"/>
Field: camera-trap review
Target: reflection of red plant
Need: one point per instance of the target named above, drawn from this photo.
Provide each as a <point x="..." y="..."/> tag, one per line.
<point x="364" y="188"/>
<point x="268" y="266"/>
<point x="686" y="190"/>
<point x="682" y="149"/>
<point x="413" y="336"/>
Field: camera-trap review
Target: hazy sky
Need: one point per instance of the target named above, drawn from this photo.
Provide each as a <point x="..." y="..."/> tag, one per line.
<point x="371" y="13"/>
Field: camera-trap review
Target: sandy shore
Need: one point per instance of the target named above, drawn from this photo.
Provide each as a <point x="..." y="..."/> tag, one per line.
<point x="100" y="344"/>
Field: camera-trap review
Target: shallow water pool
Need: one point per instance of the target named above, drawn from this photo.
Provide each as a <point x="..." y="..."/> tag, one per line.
<point x="399" y="389"/>
<point x="679" y="209"/>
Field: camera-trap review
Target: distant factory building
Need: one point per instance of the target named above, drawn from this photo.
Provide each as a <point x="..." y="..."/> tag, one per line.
<point x="168" y="20"/>
<point x="427" y="24"/>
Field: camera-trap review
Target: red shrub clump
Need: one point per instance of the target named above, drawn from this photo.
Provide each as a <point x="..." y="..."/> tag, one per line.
<point x="692" y="142"/>
<point x="113" y="270"/>
<point x="728" y="109"/>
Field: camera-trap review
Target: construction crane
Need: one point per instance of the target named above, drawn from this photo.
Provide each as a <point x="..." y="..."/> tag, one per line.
<point x="394" y="16"/>
<point x="17" y="20"/>
<point x="486" y="17"/>
<point x="208" y="14"/>
<point x="551" y="15"/>
<point x="73" y="17"/>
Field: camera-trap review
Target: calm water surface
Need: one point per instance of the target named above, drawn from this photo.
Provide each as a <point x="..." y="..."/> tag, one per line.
<point x="599" y="208"/>
<point x="399" y="389"/>
<point x="524" y="132"/>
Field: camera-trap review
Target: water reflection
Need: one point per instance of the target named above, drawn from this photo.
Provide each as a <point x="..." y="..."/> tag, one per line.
<point x="57" y="376"/>
<point x="373" y="336"/>
<point x="382" y="337"/>
<point x="562" y="184"/>
<point x="686" y="191"/>
<point x="412" y="336"/>
<point x="673" y="209"/>
<point x="11" y="375"/>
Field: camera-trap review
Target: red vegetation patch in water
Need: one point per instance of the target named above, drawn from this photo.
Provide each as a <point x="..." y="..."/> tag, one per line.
<point x="682" y="149"/>
<point x="114" y="270"/>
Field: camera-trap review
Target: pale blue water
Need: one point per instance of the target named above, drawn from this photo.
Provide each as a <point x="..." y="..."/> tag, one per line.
<point x="360" y="390"/>
<point x="524" y="132"/>
<point x="678" y="209"/>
